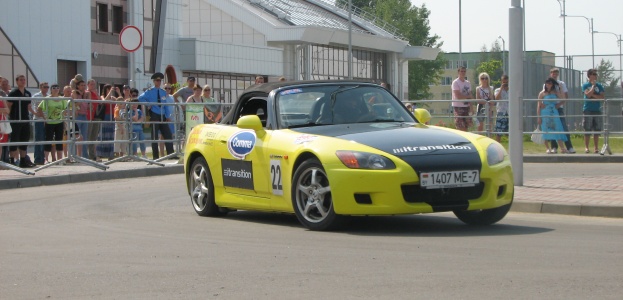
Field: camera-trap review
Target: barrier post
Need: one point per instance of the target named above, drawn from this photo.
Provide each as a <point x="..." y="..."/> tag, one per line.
<point x="127" y="121"/>
<point x="71" y="154"/>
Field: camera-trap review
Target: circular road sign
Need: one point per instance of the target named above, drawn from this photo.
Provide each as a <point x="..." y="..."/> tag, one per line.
<point x="130" y="38"/>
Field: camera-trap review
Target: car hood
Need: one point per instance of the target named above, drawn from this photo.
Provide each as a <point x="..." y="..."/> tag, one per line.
<point x="425" y="148"/>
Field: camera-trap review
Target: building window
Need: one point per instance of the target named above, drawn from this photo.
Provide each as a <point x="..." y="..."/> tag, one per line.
<point x="331" y="62"/>
<point x="102" y="17"/>
<point x="446" y="80"/>
<point x="117" y="19"/>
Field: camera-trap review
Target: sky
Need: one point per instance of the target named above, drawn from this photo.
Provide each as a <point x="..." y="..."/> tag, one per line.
<point x="484" y="20"/>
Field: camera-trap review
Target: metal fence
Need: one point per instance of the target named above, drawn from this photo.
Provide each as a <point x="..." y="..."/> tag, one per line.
<point x="109" y="131"/>
<point x="611" y="114"/>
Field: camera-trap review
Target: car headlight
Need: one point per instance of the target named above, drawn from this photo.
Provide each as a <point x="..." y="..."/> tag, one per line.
<point x="364" y="160"/>
<point x="495" y="154"/>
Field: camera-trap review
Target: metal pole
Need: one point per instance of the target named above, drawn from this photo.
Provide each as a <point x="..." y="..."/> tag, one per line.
<point x="515" y="51"/>
<point x="564" y="32"/>
<point x="503" y="54"/>
<point x="460" y="36"/>
<point x="593" y="41"/>
<point x="350" y="39"/>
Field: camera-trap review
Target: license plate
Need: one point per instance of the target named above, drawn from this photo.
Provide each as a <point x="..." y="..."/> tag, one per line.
<point x="449" y="179"/>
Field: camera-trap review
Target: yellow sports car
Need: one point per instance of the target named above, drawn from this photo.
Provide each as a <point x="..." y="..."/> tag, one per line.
<point x="325" y="150"/>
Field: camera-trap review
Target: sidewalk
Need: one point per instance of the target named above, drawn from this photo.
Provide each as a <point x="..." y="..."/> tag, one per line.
<point x="587" y="195"/>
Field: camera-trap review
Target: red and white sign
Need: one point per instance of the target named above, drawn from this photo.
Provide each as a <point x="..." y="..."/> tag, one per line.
<point x="130" y="38"/>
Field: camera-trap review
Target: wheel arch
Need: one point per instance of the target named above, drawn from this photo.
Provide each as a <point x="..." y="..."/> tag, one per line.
<point x="191" y="157"/>
<point x="299" y="160"/>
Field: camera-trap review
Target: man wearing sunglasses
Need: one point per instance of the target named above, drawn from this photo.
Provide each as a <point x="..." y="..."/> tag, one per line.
<point x="158" y="114"/>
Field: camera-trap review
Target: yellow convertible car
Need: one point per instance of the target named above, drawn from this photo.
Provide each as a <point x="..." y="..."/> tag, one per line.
<point x="327" y="150"/>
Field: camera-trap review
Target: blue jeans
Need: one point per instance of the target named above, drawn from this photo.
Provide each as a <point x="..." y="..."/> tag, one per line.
<point x="39" y="137"/>
<point x="140" y="136"/>
<point x="83" y="127"/>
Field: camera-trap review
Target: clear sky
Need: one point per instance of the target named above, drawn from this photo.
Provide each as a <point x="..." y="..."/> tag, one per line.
<point x="484" y="20"/>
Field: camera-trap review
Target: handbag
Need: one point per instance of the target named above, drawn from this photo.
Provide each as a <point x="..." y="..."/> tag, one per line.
<point x="5" y="127"/>
<point x="100" y="112"/>
<point x="537" y="137"/>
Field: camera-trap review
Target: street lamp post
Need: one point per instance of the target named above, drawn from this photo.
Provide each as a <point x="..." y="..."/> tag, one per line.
<point x="618" y="37"/>
<point x="564" y="32"/>
<point x="590" y="29"/>
<point x="503" y="54"/>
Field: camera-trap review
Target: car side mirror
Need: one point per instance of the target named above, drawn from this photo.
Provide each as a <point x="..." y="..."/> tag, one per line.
<point x="252" y="122"/>
<point x="422" y="115"/>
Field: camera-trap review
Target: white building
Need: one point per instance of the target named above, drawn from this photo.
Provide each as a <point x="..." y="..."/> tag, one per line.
<point x="224" y="43"/>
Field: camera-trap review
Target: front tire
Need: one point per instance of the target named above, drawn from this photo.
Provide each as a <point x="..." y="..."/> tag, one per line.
<point x="483" y="217"/>
<point x="311" y="197"/>
<point x="201" y="189"/>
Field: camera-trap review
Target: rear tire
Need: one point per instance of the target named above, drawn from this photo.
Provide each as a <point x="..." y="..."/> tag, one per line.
<point x="201" y="188"/>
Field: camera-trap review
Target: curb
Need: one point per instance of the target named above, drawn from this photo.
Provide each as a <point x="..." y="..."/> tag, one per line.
<point x="85" y="177"/>
<point x="567" y="209"/>
<point x="573" y="158"/>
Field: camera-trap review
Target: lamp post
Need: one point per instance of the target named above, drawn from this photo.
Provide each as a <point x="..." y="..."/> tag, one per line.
<point x="564" y="31"/>
<point x="590" y="29"/>
<point x="618" y="37"/>
<point x="503" y="54"/>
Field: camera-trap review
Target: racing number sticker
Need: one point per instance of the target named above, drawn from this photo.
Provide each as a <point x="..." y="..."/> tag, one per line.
<point x="275" y="177"/>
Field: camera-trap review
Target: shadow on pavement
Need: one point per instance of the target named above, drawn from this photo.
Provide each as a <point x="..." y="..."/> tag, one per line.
<point x="438" y="224"/>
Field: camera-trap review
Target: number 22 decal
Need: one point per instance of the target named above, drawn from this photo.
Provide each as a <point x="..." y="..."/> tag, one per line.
<point x="276" y="176"/>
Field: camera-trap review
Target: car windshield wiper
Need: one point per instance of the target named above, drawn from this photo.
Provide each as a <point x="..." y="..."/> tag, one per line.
<point x="381" y="121"/>
<point x="308" y="124"/>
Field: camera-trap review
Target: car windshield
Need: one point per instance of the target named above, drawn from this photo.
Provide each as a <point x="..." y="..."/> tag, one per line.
<point x="338" y="104"/>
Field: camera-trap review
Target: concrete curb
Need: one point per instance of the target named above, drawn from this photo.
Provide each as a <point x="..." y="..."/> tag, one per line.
<point x="92" y="176"/>
<point x="573" y="158"/>
<point x="567" y="209"/>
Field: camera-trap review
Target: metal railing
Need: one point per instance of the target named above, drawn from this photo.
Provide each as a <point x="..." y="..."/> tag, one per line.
<point x="72" y="140"/>
<point x="611" y="112"/>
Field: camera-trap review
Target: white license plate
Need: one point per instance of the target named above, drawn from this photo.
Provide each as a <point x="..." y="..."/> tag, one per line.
<point x="449" y="179"/>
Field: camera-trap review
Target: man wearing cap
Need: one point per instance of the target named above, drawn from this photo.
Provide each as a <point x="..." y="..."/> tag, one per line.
<point x="186" y="91"/>
<point x="158" y="113"/>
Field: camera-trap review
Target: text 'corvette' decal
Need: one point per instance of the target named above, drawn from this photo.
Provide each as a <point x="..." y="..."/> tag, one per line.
<point x="430" y="148"/>
<point x="237" y="173"/>
<point x="241" y="143"/>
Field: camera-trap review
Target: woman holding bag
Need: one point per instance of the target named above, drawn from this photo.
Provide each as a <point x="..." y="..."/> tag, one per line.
<point x="485" y="109"/>
<point x="547" y="115"/>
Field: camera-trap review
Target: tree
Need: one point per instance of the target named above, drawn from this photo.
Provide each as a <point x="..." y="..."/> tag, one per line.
<point x="491" y="67"/>
<point x="491" y="63"/>
<point x="606" y="75"/>
<point x="412" y="23"/>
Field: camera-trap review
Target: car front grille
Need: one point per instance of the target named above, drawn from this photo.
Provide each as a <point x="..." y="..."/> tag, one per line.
<point x="442" y="199"/>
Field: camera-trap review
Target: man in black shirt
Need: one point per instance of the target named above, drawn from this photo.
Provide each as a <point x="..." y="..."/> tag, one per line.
<point x="20" y="123"/>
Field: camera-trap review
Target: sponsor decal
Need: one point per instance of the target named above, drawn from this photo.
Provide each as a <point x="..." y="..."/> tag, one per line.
<point x="291" y="91"/>
<point x="241" y="143"/>
<point x="237" y="174"/>
<point x="276" y="177"/>
<point x="408" y="149"/>
<point x="305" y="138"/>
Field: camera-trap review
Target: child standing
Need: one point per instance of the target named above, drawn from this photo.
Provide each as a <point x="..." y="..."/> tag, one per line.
<point x="137" y="128"/>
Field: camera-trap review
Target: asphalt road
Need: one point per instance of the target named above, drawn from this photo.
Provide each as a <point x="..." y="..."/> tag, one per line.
<point x="558" y="170"/>
<point x="140" y="239"/>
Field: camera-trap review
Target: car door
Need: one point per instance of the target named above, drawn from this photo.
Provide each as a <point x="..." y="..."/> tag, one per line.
<point x="244" y="165"/>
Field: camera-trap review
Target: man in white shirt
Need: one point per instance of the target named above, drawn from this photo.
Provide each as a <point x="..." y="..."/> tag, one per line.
<point x="461" y="91"/>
